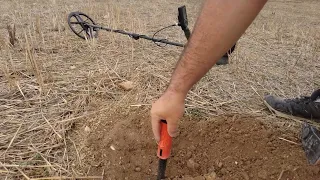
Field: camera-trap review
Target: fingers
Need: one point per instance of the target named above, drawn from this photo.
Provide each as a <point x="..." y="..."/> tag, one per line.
<point x="172" y="128"/>
<point x="155" y="122"/>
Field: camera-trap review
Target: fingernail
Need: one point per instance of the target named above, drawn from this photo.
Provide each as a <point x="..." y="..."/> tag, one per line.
<point x="157" y="140"/>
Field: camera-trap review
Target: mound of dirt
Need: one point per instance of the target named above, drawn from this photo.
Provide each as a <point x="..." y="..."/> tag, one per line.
<point x="220" y="148"/>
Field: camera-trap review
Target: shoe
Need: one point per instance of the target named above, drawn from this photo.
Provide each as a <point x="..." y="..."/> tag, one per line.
<point x="223" y="61"/>
<point x="310" y="138"/>
<point x="225" y="58"/>
<point x="305" y="107"/>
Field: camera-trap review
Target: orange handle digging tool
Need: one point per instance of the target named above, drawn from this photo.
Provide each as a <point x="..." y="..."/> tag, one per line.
<point x="164" y="146"/>
<point x="164" y="149"/>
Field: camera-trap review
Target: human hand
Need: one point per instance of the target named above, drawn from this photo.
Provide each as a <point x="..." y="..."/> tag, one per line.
<point x="170" y="107"/>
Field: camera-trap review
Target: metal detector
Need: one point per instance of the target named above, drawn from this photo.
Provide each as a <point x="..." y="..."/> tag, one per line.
<point x="84" y="27"/>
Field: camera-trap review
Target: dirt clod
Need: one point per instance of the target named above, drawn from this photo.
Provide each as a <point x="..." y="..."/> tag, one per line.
<point x="224" y="171"/>
<point x="87" y="129"/>
<point x="211" y="176"/>
<point x="192" y="164"/>
<point x="245" y="175"/>
<point x="137" y="169"/>
<point x="189" y="154"/>
<point x="263" y="174"/>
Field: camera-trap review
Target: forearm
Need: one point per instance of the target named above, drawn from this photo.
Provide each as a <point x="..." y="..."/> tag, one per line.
<point x="220" y="24"/>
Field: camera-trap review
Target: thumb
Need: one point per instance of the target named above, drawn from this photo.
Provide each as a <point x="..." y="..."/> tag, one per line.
<point x="172" y="128"/>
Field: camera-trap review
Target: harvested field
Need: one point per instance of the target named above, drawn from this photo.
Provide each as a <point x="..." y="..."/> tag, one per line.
<point x="62" y="111"/>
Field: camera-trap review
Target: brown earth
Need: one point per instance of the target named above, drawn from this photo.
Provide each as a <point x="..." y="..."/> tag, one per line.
<point x="229" y="147"/>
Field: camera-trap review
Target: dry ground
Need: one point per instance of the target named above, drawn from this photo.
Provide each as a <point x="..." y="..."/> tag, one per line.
<point x="61" y="108"/>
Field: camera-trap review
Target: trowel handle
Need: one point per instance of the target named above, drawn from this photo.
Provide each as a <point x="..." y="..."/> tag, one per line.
<point x="164" y="146"/>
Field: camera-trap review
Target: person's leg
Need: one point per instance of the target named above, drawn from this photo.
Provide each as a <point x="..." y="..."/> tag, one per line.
<point x="305" y="107"/>
<point x="310" y="137"/>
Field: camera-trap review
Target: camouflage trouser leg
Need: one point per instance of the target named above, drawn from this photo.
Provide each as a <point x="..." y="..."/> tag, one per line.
<point x="311" y="135"/>
<point x="311" y="143"/>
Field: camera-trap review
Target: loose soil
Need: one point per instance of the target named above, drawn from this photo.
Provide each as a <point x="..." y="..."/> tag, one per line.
<point x="229" y="147"/>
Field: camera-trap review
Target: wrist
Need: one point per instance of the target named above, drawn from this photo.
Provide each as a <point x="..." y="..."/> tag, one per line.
<point x="176" y="92"/>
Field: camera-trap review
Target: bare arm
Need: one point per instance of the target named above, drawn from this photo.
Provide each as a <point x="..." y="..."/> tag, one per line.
<point x="219" y="26"/>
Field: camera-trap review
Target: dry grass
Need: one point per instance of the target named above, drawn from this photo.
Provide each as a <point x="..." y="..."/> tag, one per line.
<point x="50" y="79"/>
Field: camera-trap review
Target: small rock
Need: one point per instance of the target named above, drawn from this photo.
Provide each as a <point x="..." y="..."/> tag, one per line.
<point x="137" y="169"/>
<point x="211" y="176"/>
<point x="263" y="174"/>
<point x="87" y="129"/>
<point x="72" y="67"/>
<point x="192" y="165"/>
<point x="127" y="85"/>
<point x="220" y="164"/>
<point x="112" y="147"/>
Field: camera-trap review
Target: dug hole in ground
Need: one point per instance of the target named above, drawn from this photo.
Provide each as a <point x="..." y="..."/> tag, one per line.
<point x="64" y="113"/>
<point x="226" y="147"/>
